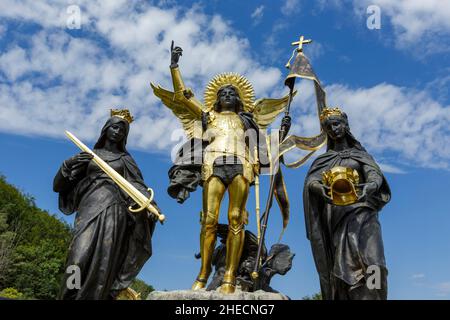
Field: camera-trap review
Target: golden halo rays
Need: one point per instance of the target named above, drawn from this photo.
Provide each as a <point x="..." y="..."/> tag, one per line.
<point x="243" y="86"/>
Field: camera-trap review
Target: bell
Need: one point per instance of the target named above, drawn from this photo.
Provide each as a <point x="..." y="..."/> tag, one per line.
<point x="341" y="181"/>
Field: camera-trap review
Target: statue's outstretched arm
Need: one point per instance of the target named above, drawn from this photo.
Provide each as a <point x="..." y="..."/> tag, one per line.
<point x="177" y="80"/>
<point x="182" y="101"/>
<point x="182" y="94"/>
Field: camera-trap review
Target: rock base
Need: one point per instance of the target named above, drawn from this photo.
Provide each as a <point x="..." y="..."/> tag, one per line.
<point x="214" y="295"/>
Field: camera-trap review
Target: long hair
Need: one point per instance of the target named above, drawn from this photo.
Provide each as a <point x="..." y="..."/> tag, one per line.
<point x="240" y="106"/>
<point x="352" y="142"/>
<point x="113" y="120"/>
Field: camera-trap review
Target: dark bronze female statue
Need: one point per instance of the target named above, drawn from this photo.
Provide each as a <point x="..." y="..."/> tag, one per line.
<point x="110" y="244"/>
<point x="345" y="233"/>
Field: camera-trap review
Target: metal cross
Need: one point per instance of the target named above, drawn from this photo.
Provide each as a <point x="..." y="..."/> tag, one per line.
<point x="300" y="43"/>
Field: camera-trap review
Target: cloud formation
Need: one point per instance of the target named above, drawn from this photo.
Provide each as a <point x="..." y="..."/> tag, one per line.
<point x="290" y="7"/>
<point x="415" y="22"/>
<point x="257" y="15"/>
<point x="400" y="126"/>
<point x="54" y="79"/>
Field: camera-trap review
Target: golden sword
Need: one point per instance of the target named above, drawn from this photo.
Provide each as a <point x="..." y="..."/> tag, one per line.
<point x="141" y="200"/>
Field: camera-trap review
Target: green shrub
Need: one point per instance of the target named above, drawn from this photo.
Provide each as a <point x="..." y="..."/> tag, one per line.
<point x="11" y="293"/>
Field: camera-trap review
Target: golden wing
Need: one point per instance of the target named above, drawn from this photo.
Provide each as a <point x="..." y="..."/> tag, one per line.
<point x="184" y="106"/>
<point x="266" y="110"/>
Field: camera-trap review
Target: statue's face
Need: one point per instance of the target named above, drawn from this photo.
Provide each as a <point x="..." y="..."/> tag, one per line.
<point x="228" y="99"/>
<point x="335" y="128"/>
<point x="116" y="132"/>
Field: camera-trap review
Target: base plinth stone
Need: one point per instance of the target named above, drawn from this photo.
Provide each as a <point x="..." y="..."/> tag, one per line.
<point x="214" y="295"/>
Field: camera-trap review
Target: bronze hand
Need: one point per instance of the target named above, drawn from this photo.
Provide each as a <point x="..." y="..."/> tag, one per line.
<point x="175" y="52"/>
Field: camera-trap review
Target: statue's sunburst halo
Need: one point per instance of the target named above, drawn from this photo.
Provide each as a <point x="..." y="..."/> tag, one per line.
<point x="243" y="86"/>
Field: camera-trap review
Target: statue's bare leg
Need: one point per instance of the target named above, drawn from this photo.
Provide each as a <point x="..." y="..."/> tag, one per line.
<point x="213" y="192"/>
<point x="238" y="194"/>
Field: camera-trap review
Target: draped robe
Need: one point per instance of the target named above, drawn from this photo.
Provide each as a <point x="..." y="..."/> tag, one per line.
<point x="110" y="245"/>
<point x="345" y="240"/>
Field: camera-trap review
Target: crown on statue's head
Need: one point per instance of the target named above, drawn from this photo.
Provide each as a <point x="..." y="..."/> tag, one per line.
<point x="328" y="112"/>
<point x="122" y="113"/>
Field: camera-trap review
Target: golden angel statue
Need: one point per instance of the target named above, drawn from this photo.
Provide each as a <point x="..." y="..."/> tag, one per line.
<point x="226" y="151"/>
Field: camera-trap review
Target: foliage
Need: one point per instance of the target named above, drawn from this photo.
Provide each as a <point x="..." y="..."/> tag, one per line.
<point x="11" y="293"/>
<point x="141" y="287"/>
<point x="33" y="248"/>
<point x="7" y="245"/>
<point x="316" y="296"/>
<point x="37" y="269"/>
<point x="38" y="243"/>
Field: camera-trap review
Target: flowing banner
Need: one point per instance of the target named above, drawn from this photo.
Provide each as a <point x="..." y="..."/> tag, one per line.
<point x="301" y="68"/>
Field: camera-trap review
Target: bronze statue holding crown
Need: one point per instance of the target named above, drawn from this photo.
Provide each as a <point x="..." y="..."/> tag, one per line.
<point x="343" y="193"/>
<point x="110" y="244"/>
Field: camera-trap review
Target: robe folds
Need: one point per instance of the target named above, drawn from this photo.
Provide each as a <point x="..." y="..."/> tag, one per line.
<point x="110" y="244"/>
<point x="346" y="240"/>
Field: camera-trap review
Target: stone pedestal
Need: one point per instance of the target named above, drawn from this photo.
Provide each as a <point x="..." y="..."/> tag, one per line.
<point x="214" y="295"/>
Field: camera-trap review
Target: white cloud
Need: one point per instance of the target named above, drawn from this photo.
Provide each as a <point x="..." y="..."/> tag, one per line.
<point x="257" y="15"/>
<point x="271" y="42"/>
<point x="418" y="276"/>
<point x="55" y="81"/>
<point x="388" y="120"/>
<point x="389" y="168"/>
<point x="405" y="121"/>
<point x="41" y="12"/>
<point x="314" y="50"/>
<point x="440" y="86"/>
<point x="324" y="4"/>
<point x="418" y="24"/>
<point x="290" y="7"/>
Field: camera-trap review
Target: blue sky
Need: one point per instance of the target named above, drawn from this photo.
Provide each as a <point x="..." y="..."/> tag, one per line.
<point x="393" y="82"/>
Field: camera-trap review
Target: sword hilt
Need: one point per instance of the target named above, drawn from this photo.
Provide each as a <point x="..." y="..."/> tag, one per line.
<point x="147" y="205"/>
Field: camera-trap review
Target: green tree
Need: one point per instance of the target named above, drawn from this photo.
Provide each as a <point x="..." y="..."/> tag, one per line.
<point x="11" y="293"/>
<point x="37" y="244"/>
<point x="316" y="296"/>
<point x="36" y="262"/>
<point x="37" y="269"/>
<point x="141" y="287"/>
<point x="8" y="241"/>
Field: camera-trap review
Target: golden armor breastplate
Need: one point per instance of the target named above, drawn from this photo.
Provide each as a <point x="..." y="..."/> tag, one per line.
<point x="225" y="132"/>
